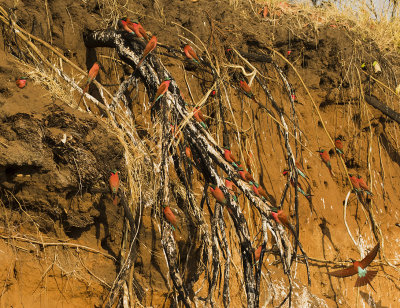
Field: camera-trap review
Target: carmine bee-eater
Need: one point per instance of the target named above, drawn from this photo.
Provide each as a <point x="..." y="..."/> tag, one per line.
<point x="21" y="82"/>
<point x="198" y="115"/>
<point x="364" y="276"/>
<point x="229" y="156"/>
<point x="245" y="175"/>
<point x="218" y="194"/>
<point x="300" y="170"/>
<point x="326" y="159"/>
<point x="191" y="54"/>
<point x="364" y="185"/>
<point x="259" y="191"/>
<point x="247" y="90"/>
<point x="354" y="181"/>
<point x="339" y="146"/>
<point x="169" y="216"/>
<point x="91" y="76"/>
<point x="257" y="253"/>
<point x="125" y="26"/>
<point x="299" y="188"/>
<point x="233" y="190"/>
<point x="162" y="89"/>
<point x="114" y="185"/>
<point x="188" y="153"/>
<point x="136" y="27"/>
<point x="151" y="45"/>
<point x="280" y="217"/>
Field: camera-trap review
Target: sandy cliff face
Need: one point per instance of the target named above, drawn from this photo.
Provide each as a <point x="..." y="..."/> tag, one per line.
<point x="62" y="239"/>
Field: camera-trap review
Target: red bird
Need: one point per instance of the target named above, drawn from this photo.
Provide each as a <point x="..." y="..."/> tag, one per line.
<point x="326" y="159"/>
<point x="198" y="115"/>
<point x="191" y="54"/>
<point x="218" y="194"/>
<point x="170" y="217"/>
<point x="136" y="27"/>
<point x="188" y="153"/>
<point x="233" y="190"/>
<point x="232" y="187"/>
<point x="114" y="184"/>
<point x="151" y="45"/>
<point x="91" y="76"/>
<point x="354" y="181"/>
<point x="299" y="188"/>
<point x="245" y="175"/>
<point x="300" y="170"/>
<point x="229" y="156"/>
<point x="21" y="82"/>
<point x="364" y="276"/>
<point x="125" y="26"/>
<point x="259" y="191"/>
<point x="162" y="89"/>
<point x="247" y="90"/>
<point x="364" y="185"/>
<point x="280" y="217"/>
<point x="257" y="253"/>
<point x="339" y="146"/>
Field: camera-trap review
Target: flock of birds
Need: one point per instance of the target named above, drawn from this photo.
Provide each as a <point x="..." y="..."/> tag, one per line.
<point x="359" y="185"/>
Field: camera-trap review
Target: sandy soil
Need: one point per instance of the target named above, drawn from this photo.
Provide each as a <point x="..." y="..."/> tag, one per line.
<point x="56" y="192"/>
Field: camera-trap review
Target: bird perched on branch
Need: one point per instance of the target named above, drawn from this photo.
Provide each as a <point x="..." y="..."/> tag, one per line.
<point x="247" y="90"/>
<point x="136" y="27"/>
<point x="229" y="156"/>
<point x="257" y="253"/>
<point x="170" y="217"/>
<point x="234" y="191"/>
<point x="326" y="159"/>
<point x="259" y="191"/>
<point x="93" y="72"/>
<point x="114" y="185"/>
<point x="198" y="115"/>
<point x="188" y="153"/>
<point x="162" y="89"/>
<point x="191" y="54"/>
<point x="364" y="276"/>
<point x="339" y="145"/>
<point x="124" y="25"/>
<point x="151" y="45"/>
<point x="363" y="185"/>
<point x="21" y="82"/>
<point x="299" y="187"/>
<point x="245" y="175"/>
<point x="355" y="183"/>
<point x="280" y="217"/>
<point x="218" y="194"/>
<point x="300" y="170"/>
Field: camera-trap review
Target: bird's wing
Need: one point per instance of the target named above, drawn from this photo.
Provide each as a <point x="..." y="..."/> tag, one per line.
<point x="371" y="256"/>
<point x="161" y="89"/>
<point x="349" y="271"/>
<point x="201" y="116"/>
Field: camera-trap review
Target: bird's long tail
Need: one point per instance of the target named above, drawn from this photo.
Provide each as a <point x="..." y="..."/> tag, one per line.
<point x="138" y="65"/>
<point x="328" y="164"/>
<point x="362" y="281"/>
